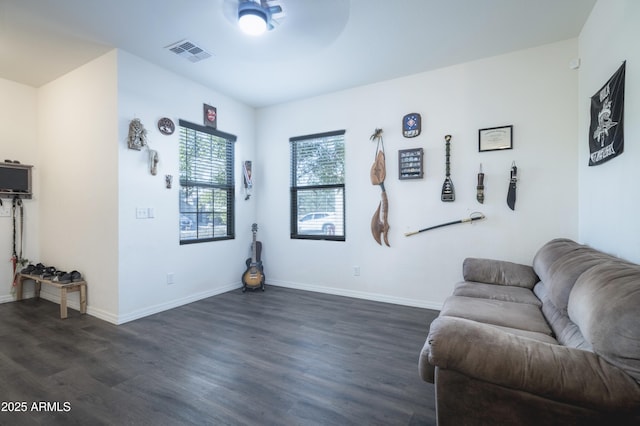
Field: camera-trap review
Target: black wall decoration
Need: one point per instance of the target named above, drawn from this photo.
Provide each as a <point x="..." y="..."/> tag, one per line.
<point x="606" y="136"/>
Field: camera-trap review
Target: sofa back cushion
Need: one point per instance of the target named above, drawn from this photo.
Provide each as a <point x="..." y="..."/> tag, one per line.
<point x="559" y="263"/>
<point x="500" y="272"/>
<point x="549" y="253"/>
<point x="605" y="304"/>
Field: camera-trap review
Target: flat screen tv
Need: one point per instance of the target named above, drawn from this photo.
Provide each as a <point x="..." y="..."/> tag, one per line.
<point x="15" y="179"/>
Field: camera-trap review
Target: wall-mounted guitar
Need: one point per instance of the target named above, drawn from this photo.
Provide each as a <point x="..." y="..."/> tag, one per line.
<point x="448" y="193"/>
<point x="253" y="277"/>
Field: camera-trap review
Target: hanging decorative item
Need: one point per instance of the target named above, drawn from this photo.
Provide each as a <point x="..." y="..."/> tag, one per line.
<point x="153" y="161"/>
<point x="606" y="132"/>
<point x="138" y="139"/>
<point x="166" y="126"/>
<point x="472" y="217"/>
<point x="411" y="125"/>
<point x="380" y="226"/>
<point x="248" y="179"/>
<point x="137" y="135"/>
<point x="210" y="116"/>
<point x="410" y="163"/>
<point x="511" y="195"/>
<point x="448" y="193"/>
<point x="480" y="187"/>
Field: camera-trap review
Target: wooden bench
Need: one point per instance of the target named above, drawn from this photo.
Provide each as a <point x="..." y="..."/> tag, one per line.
<point x="65" y="288"/>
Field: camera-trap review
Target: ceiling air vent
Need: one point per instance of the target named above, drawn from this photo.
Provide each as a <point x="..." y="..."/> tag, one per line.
<point x="189" y="50"/>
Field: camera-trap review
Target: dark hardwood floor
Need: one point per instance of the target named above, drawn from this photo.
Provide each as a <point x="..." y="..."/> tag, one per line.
<point x="279" y="357"/>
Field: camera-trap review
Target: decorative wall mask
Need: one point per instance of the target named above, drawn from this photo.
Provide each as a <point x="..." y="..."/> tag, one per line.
<point x="137" y="135"/>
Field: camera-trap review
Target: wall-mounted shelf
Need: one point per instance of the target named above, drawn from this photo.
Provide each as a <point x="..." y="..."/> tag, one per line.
<point x="410" y="163"/>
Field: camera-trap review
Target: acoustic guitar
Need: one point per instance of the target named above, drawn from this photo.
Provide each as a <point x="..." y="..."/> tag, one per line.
<point x="253" y="277"/>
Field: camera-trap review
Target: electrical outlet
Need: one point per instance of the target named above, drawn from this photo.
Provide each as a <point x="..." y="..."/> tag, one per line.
<point x="142" y="213"/>
<point x="170" y="278"/>
<point x="356" y="271"/>
<point x="5" y="211"/>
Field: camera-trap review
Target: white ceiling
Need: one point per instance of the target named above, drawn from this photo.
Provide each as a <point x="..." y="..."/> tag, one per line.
<point x="320" y="46"/>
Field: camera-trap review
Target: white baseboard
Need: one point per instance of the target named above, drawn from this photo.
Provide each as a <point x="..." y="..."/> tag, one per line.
<point x="141" y="313"/>
<point x="359" y="295"/>
<point x="7" y="298"/>
<point x="174" y="303"/>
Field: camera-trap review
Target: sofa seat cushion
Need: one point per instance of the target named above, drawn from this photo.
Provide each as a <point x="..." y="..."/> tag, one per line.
<point x="505" y="293"/>
<point x="534" y="335"/>
<point x="522" y="316"/>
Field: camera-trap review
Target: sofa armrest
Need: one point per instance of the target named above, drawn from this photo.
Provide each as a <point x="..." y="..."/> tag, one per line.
<point x="500" y="272"/>
<point x="551" y="371"/>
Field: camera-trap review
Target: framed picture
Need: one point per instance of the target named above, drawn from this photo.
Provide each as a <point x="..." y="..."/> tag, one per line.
<point x="495" y="138"/>
<point x="210" y="114"/>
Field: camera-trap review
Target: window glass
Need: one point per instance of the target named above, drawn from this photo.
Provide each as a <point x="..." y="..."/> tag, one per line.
<point x="317" y="186"/>
<point x="206" y="184"/>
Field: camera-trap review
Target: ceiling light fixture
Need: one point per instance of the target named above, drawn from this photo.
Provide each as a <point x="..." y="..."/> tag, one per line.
<point x="252" y="18"/>
<point x="255" y="16"/>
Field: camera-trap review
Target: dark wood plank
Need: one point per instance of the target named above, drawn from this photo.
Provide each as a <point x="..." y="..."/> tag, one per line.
<point x="280" y="357"/>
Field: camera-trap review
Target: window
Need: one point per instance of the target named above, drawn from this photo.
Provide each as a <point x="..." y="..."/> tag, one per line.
<point x="206" y="184"/>
<point x="317" y="186"/>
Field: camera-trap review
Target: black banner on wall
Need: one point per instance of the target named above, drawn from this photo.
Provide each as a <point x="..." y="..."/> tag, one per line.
<point x="606" y="136"/>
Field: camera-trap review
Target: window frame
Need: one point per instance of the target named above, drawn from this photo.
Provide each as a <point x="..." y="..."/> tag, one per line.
<point x="199" y="185"/>
<point x="295" y="188"/>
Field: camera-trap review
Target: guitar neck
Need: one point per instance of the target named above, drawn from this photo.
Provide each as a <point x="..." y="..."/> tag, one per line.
<point x="253" y="249"/>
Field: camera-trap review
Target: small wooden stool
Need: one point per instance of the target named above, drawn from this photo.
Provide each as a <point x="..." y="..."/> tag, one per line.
<point x="80" y="286"/>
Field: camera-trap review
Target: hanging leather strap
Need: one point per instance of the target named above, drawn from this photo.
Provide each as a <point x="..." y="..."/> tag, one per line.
<point x="480" y="186"/>
<point x="511" y="195"/>
<point x="15" y="258"/>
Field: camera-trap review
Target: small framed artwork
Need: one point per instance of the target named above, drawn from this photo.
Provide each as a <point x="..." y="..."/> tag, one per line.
<point x="210" y="114"/>
<point x="495" y="138"/>
<point x="411" y="125"/>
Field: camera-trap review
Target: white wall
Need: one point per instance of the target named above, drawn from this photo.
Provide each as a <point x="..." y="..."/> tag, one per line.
<point x="88" y="185"/>
<point x="78" y="174"/>
<point x="82" y="124"/>
<point x="18" y="142"/>
<point x="534" y="90"/>
<point x="609" y="194"/>
<point x="149" y="249"/>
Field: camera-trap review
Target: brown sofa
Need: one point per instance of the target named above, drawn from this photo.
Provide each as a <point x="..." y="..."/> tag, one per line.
<point x="553" y="344"/>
